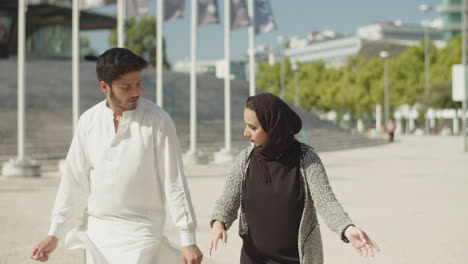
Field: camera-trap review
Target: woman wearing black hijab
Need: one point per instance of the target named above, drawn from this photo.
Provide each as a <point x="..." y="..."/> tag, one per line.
<point x="279" y="183"/>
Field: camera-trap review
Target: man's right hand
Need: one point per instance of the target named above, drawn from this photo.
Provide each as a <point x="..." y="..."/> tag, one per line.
<point x="42" y="250"/>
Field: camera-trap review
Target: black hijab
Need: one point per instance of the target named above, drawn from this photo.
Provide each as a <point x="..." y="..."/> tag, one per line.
<point x="280" y="123"/>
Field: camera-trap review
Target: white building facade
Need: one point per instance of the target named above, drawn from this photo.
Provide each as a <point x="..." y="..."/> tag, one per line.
<point x="334" y="48"/>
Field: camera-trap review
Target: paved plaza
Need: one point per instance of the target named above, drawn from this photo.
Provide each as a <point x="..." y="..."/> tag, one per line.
<point x="410" y="196"/>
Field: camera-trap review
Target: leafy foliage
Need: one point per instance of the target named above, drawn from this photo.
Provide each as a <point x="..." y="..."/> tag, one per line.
<point x="358" y="86"/>
<point x="141" y="39"/>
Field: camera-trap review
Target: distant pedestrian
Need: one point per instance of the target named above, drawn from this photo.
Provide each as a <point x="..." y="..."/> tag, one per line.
<point x="391" y="127"/>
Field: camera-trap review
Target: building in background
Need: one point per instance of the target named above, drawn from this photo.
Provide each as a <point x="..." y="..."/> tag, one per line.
<point x="48" y="29"/>
<point x="215" y="68"/>
<point x="451" y="14"/>
<point x="397" y="32"/>
<point x="334" y="48"/>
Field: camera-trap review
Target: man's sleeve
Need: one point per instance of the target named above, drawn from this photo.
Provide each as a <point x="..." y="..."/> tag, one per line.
<point x="74" y="185"/>
<point x="171" y="173"/>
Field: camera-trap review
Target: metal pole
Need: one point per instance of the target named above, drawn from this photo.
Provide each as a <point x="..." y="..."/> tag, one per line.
<point x="251" y="49"/>
<point x="296" y="89"/>
<point x="120" y="23"/>
<point x="378" y="118"/>
<point x="426" y="61"/>
<point x="159" y="49"/>
<point x="21" y="60"/>
<point x="426" y="74"/>
<point x="282" y="72"/>
<point x="387" y="107"/>
<point x="464" y="14"/>
<point x="193" y="79"/>
<point x="227" y="77"/>
<point x="76" y="62"/>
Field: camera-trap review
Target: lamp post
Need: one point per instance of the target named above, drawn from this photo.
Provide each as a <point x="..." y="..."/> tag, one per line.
<point x="294" y="67"/>
<point x="384" y="55"/>
<point x="464" y="18"/>
<point x="425" y="25"/>
<point x="282" y="41"/>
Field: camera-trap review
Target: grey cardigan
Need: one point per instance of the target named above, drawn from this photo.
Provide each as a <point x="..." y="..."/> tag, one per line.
<point x="319" y="195"/>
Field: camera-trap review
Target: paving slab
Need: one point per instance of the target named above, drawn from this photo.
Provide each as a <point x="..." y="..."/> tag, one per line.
<point x="410" y="196"/>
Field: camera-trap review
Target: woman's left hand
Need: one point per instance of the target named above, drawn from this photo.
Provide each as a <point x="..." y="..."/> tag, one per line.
<point x="361" y="242"/>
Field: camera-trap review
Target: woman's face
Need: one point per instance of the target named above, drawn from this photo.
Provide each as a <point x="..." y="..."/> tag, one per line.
<point x="253" y="129"/>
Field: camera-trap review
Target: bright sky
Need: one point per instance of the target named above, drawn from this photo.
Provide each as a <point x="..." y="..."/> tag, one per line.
<point x="293" y="18"/>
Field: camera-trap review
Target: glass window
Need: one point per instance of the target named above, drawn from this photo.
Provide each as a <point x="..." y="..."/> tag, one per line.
<point x="50" y="41"/>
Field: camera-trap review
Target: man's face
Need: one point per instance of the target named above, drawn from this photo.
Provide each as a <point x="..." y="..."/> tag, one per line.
<point x="124" y="92"/>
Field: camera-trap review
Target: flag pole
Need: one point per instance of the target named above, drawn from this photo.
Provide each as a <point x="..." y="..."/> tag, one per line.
<point x="75" y="62"/>
<point x="21" y="166"/>
<point x="225" y="155"/>
<point x="159" y="51"/>
<point x="21" y="68"/>
<point x="227" y="77"/>
<point x="251" y="48"/>
<point x="120" y="23"/>
<point x="192" y="156"/>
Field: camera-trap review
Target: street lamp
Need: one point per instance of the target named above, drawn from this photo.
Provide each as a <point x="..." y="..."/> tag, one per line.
<point x="426" y="24"/>
<point x="384" y="55"/>
<point x="465" y="77"/>
<point x="282" y="41"/>
<point x="294" y="67"/>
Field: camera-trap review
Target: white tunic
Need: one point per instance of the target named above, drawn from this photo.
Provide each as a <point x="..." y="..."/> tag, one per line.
<point x="120" y="181"/>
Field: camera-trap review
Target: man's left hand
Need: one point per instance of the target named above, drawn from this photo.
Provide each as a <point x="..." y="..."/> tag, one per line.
<point x="191" y="255"/>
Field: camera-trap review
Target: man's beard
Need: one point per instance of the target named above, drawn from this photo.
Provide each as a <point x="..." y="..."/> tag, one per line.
<point x="117" y="102"/>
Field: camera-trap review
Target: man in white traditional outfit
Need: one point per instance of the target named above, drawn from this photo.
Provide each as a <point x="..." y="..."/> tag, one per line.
<point x="124" y="162"/>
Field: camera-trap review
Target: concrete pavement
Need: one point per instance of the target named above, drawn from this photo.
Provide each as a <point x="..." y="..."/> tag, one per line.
<point x="410" y="196"/>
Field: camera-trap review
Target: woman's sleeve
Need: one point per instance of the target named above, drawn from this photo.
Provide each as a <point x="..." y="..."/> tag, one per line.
<point x="323" y="197"/>
<point x="227" y="206"/>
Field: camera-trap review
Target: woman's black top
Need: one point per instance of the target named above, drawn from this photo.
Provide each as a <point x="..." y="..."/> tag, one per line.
<point x="273" y="210"/>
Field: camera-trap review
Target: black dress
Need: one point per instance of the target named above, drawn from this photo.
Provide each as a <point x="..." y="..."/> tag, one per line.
<point x="273" y="211"/>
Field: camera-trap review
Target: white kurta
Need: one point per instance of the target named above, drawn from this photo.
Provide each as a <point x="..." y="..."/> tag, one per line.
<point x="120" y="181"/>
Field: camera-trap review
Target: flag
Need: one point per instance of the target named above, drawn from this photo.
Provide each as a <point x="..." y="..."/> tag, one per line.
<point x="86" y="4"/>
<point x="207" y="12"/>
<point x="173" y="9"/>
<point x="136" y="8"/>
<point x="264" y="20"/>
<point x="239" y="14"/>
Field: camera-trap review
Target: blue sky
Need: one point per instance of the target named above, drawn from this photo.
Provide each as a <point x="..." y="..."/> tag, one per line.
<point x="293" y="18"/>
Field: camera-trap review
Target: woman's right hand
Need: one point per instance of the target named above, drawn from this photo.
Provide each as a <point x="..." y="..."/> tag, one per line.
<point x="217" y="232"/>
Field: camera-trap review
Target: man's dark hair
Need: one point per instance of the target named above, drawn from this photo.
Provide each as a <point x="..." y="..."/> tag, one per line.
<point x="118" y="61"/>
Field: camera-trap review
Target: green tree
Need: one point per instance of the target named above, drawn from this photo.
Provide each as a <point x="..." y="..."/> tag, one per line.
<point x="406" y="76"/>
<point x="141" y="39"/>
<point x="269" y="77"/>
<point x="368" y="87"/>
<point x="441" y="96"/>
<point x="358" y="86"/>
<point x="311" y="79"/>
<point x="331" y="91"/>
<point x="441" y="70"/>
